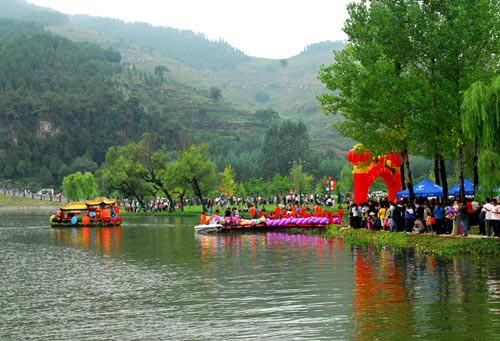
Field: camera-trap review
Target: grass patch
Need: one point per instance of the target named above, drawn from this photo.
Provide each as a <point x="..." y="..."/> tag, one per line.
<point x="439" y="245"/>
<point x="15" y="201"/>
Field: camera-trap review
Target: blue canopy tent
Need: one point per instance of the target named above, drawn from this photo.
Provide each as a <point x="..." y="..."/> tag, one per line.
<point x="468" y="186"/>
<point x="424" y="189"/>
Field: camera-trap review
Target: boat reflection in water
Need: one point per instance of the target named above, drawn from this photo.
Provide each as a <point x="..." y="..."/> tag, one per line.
<point x="370" y="293"/>
<point x="104" y="240"/>
<point x="238" y="244"/>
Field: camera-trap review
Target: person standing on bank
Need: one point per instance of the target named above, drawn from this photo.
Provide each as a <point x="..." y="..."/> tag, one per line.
<point x="463" y="219"/>
<point x="439" y="216"/>
<point x="495" y="218"/>
<point x="488" y="217"/>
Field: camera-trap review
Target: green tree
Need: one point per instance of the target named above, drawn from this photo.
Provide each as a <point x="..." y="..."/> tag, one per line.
<point x="267" y="115"/>
<point x="215" y="93"/>
<point x="402" y="76"/>
<point x="227" y="185"/>
<point x="370" y="79"/>
<point x="123" y="171"/>
<point x="301" y="181"/>
<point x="198" y="171"/>
<point x="345" y="182"/>
<point x="481" y="120"/>
<point x="160" y="70"/>
<point x="280" y="185"/>
<point x="78" y="186"/>
<point x="286" y="143"/>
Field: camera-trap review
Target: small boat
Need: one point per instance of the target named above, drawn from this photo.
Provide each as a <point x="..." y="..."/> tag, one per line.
<point x="100" y="212"/>
<point x="207" y="228"/>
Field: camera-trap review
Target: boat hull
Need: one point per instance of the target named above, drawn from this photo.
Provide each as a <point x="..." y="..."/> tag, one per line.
<point x="208" y="228"/>
<point x="66" y="223"/>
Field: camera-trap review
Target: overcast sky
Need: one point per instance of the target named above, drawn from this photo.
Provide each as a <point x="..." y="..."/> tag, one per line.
<point x="260" y="28"/>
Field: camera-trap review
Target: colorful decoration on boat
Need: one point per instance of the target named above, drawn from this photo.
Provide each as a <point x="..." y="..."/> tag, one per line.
<point x="217" y="223"/>
<point x="367" y="168"/>
<point x="97" y="212"/>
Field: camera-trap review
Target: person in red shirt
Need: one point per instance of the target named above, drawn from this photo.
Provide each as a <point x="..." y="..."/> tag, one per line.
<point x="203" y="218"/>
<point x="318" y="209"/>
<point x="277" y="211"/>
<point x="253" y="211"/>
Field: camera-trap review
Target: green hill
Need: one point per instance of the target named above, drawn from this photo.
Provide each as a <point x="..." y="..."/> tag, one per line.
<point x="92" y="83"/>
<point x="288" y="86"/>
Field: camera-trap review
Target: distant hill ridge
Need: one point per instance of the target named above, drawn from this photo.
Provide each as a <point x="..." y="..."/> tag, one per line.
<point x="159" y="82"/>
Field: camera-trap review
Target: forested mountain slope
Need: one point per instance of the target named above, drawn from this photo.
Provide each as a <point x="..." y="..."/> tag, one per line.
<point x="61" y="100"/>
<point x="65" y="101"/>
<point x="289" y="86"/>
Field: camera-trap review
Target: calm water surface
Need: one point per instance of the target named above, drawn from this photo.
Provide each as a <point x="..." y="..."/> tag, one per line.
<point x="154" y="278"/>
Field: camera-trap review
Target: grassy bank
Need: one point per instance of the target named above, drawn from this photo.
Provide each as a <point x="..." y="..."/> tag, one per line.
<point x="15" y="201"/>
<point x="439" y="245"/>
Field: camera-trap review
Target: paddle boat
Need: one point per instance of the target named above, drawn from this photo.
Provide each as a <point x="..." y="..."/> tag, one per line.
<point x="207" y="228"/>
<point x="100" y="212"/>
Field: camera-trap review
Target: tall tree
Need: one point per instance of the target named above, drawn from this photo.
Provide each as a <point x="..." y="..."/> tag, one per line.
<point x="481" y="120"/>
<point x="285" y="145"/>
<point x="228" y="185"/>
<point x="78" y="186"/>
<point x="123" y="171"/>
<point x="371" y="80"/>
<point x="301" y="181"/>
<point x="402" y="76"/>
<point x="198" y="171"/>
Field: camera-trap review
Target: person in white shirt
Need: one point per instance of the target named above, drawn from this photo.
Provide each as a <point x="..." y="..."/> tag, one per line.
<point x="495" y="217"/>
<point x="488" y="223"/>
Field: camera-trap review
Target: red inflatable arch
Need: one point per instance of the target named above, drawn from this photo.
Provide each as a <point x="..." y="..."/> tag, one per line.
<point x="367" y="168"/>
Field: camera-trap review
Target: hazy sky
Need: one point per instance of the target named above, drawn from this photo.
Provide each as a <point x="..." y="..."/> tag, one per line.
<point x="260" y="28"/>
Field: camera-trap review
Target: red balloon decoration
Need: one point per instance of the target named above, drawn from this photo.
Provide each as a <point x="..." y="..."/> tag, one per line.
<point x="367" y="168"/>
<point x="359" y="155"/>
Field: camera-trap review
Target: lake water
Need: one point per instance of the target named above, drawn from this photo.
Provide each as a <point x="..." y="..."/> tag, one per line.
<point x="155" y="279"/>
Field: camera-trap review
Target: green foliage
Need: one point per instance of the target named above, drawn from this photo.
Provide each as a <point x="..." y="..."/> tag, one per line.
<point x="262" y="97"/>
<point x="280" y="185"/>
<point x="197" y="170"/>
<point x="215" y="93"/>
<point x="54" y="93"/>
<point x="161" y="69"/>
<point x="345" y="182"/>
<point x="267" y="116"/>
<point x="402" y="76"/>
<point x="301" y="181"/>
<point x="254" y="187"/>
<point x="25" y="11"/>
<point x="193" y="49"/>
<point x="285" y="143"/>
<point x="78" y="186"/>
<point x="228" y="185"/>
<point x="123" y="171"/>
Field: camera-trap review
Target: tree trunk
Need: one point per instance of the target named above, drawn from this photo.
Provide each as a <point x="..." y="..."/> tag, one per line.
<point x="409" y="182"/>
<point x="197" y="192"/>
<point x="461" y="173"/>
<point x="181" y="199"/>
<point x="444" y="182"/>
<point x="403" y="174"/>
<point x="475" y="165"/>
<point x="437" y="159"/>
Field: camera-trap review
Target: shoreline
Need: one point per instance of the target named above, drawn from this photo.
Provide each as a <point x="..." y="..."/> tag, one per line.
<point x="28" y="208"/>
<point x="447" y="246"/>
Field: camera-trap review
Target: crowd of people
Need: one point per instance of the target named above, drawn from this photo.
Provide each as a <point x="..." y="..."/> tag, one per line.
<point x="428" y="216"/>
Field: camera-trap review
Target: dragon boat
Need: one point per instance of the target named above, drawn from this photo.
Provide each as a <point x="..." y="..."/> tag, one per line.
<point x="219" y="224"/>
<point x="100" y="212"/>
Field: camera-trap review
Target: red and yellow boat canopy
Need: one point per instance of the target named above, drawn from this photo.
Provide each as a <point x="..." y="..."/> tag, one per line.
<point x="81" y="206"/>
